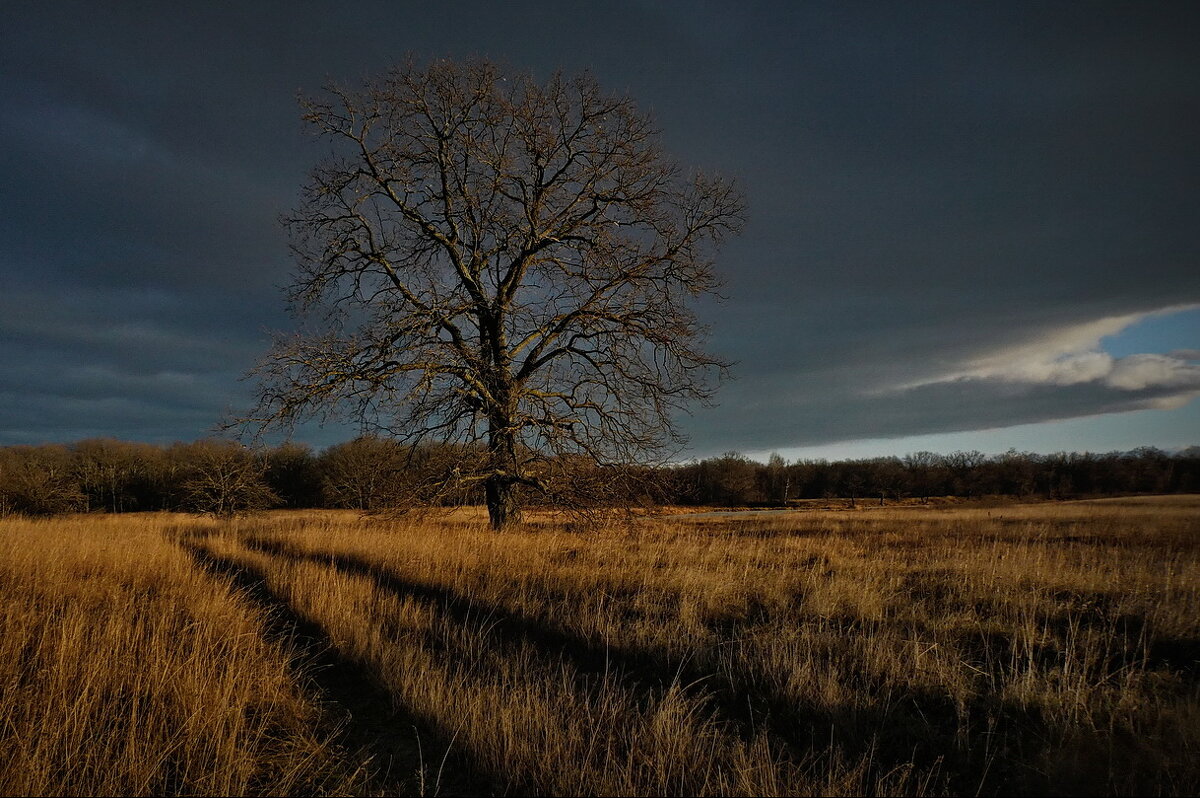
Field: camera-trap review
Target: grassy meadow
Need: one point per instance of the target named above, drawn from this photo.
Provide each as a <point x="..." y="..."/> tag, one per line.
<point x="970" y="649"/>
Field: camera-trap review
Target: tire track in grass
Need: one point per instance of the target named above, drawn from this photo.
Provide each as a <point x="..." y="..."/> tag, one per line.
<point x="805" y="729"/>
<point x="369" y="720"/>
<point x="645" y="673"/>
<point x="642" y="671"/>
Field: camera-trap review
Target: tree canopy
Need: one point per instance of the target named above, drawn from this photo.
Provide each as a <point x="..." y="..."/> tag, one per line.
<point x="503" y="264"/>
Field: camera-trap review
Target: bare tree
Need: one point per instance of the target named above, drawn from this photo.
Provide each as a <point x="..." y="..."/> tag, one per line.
<point x="222" y="478"/>
<point x="109" y="472"/>
<point x="38" y="480"/>
<point x="500" y="263"/>
<point x="366" y="473"/>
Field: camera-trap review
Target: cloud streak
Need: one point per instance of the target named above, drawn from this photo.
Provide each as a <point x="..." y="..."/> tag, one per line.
<point x="1055" y="373"/>
<point x="1073" y="355"/>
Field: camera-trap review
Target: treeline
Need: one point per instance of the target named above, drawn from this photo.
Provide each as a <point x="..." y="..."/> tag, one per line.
<point x="211" y="476"/>
<point x="371" y="474"/>
<point x="736" y="480"/>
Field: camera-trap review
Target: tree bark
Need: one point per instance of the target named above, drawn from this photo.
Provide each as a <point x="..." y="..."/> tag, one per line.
<point x="500" y="488"/>
<point x="503" y="508"/>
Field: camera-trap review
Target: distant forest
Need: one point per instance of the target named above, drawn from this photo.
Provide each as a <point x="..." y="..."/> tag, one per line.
<point x="372" y="474"/>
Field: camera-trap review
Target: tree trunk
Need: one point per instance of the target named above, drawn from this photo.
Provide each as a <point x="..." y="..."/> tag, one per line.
<point x="503" y="508"/>
<point x="500" y="488"/>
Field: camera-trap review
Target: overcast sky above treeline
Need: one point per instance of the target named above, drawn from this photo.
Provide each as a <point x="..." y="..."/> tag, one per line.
<point x="964" y="218"/>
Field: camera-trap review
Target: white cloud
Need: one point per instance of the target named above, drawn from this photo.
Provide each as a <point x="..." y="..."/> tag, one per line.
<point x="1064" y="342"/>
<point x="1068" y="369"/>
<point x="1138" y="372"/>
<point x="1073" y="356"/>
<point x="1172" y="402"/>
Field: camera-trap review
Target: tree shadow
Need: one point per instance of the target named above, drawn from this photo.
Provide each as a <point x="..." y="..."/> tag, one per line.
<point x="985" y="744"/>
<point x="919" y="728"/>
<point x="367" y="716"/>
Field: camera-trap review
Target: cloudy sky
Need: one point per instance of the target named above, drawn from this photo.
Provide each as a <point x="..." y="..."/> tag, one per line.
<point x="970" y="225"/>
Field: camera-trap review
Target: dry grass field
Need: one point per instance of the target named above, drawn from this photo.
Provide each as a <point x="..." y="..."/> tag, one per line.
<point x="1014" y="649"/>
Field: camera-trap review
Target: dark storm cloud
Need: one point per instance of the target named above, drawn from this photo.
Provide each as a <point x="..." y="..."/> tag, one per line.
<point x="957" y="406"/>
<point x="931" y="188"/>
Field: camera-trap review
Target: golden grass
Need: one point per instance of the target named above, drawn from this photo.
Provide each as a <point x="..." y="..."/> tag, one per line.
<point x="908" y="650"/>
<point x="126" y="671"/>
